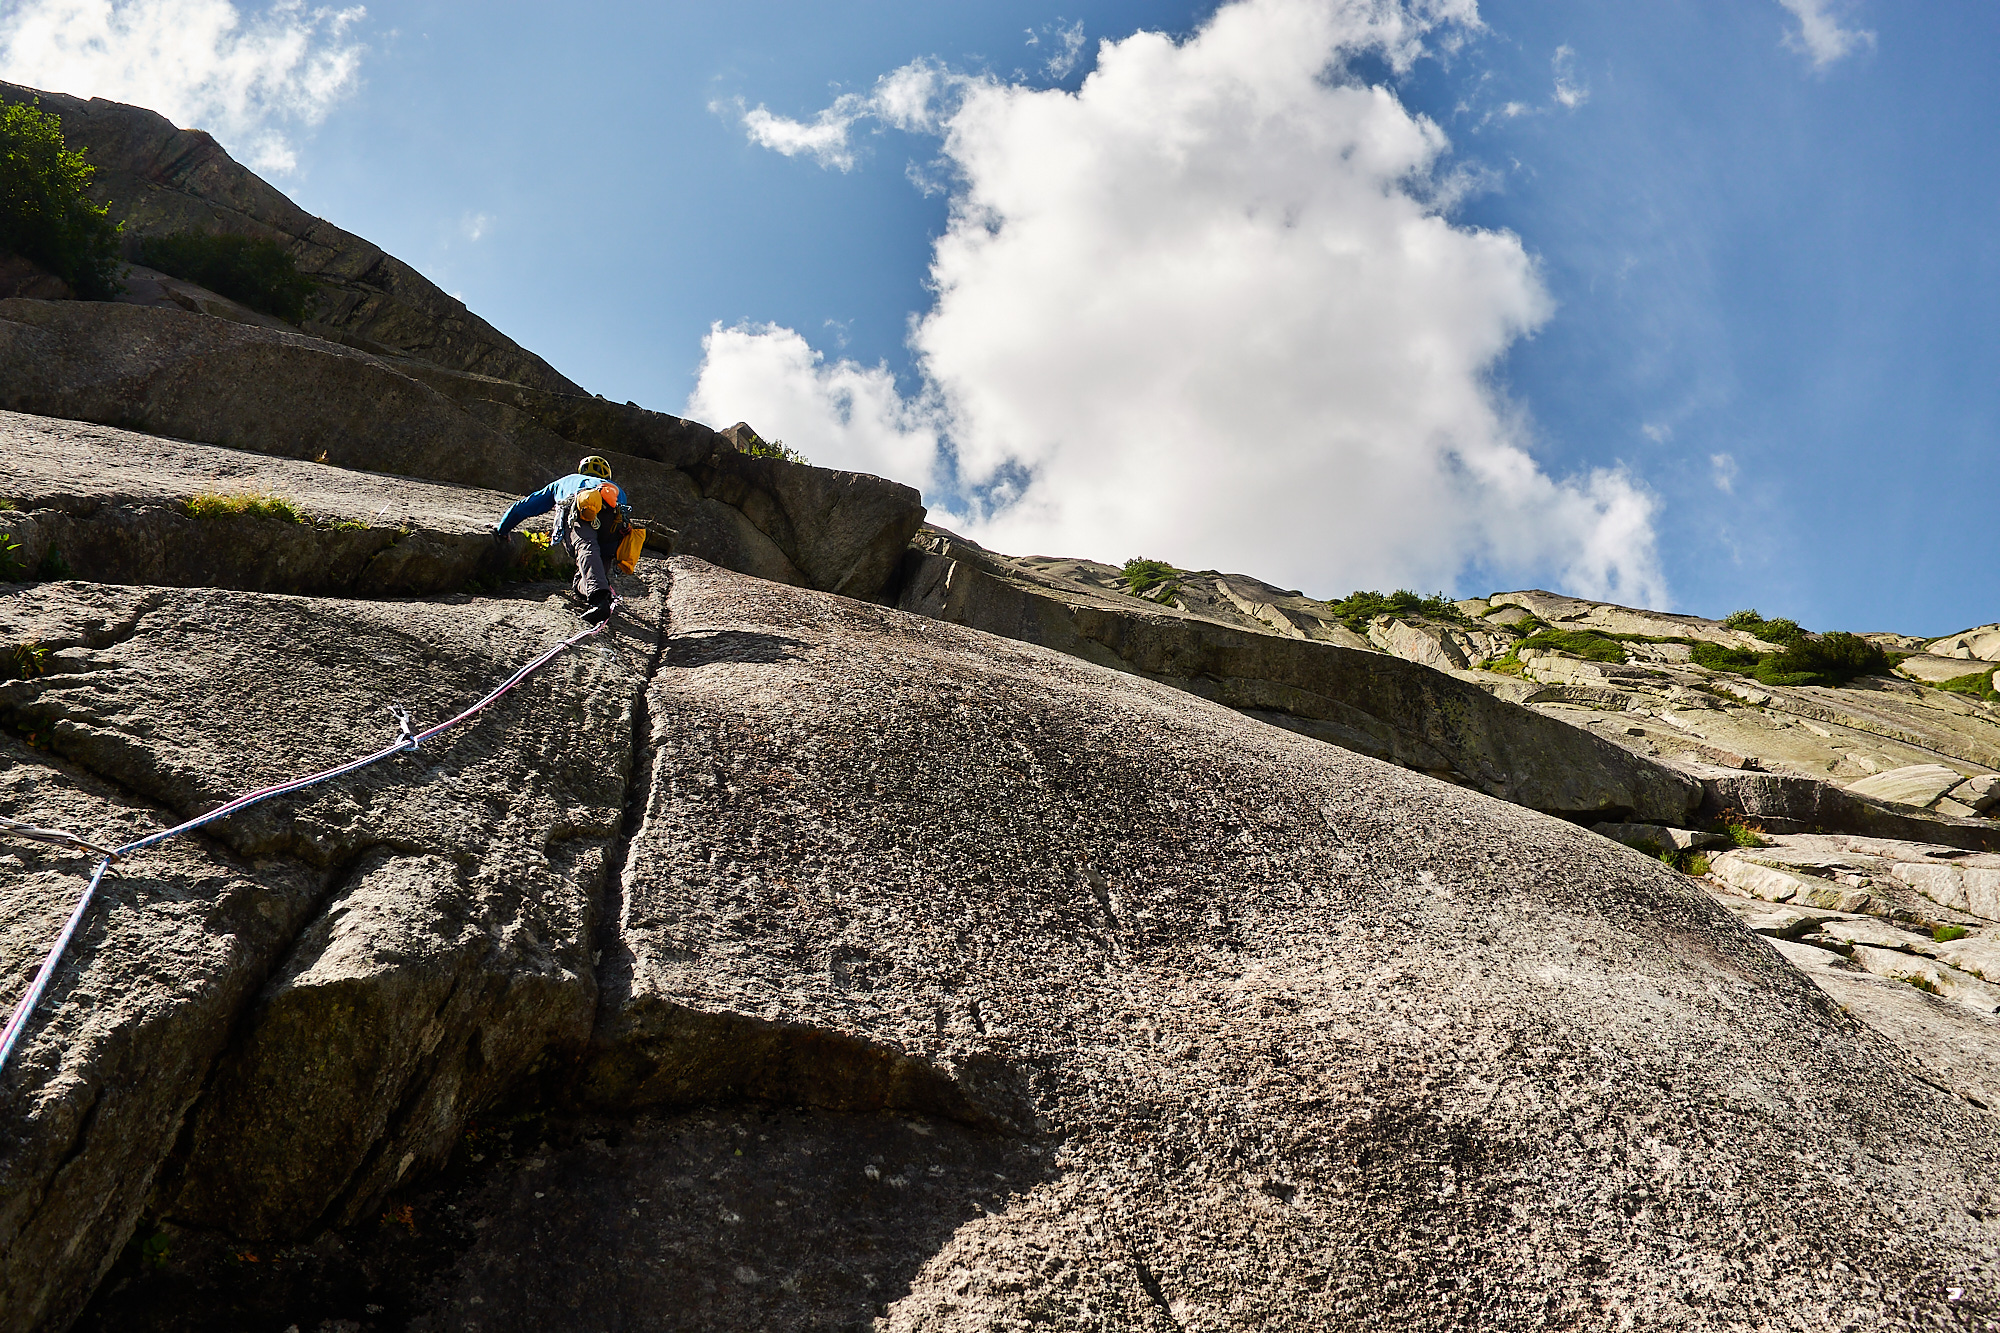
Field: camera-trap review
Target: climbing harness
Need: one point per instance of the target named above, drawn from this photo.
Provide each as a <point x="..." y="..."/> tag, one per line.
<point x="406" y="741"/>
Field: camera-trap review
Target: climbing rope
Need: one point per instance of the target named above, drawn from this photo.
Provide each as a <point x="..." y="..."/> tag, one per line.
<point x="14" y="828"/>
<point x="406" y="741"/>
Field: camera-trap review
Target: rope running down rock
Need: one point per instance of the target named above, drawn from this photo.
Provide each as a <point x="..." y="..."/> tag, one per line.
<point x="405" y="741"/>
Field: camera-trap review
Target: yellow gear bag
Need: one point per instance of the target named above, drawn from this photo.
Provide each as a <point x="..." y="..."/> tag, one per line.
<point x="592" y="502"/>
<point x="627" y="558"/>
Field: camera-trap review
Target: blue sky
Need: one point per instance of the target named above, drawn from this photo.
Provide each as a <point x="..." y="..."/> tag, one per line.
<point x="1714" y="306"/>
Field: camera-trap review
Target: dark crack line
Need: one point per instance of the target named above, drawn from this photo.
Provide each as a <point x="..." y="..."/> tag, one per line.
<point x="638" y="795"/>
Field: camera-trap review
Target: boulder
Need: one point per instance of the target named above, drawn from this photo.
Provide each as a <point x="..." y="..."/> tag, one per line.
<point x="1932" y="669"/>
<point x="1774" y="884"/>
<point x="1928" y="974"/>
<point x="21" y="276"/>
<point x="1917" y="785"/>
<point x="159" y="180"/>
<point x="1440" y="644"/>
<point x="1374" y="703"/>
<point x="1423" y="644"/>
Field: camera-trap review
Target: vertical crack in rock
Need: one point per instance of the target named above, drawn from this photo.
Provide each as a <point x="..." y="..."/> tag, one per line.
<point x="638" y="790"/>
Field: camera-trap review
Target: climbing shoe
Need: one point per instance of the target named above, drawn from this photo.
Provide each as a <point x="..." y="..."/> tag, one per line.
<point x="600" y="608"/>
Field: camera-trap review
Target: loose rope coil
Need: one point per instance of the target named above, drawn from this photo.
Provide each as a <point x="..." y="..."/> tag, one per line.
<point x="406" y="740"/>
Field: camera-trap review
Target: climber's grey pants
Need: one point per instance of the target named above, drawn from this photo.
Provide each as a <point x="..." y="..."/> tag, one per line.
<point x="591" y="574"/>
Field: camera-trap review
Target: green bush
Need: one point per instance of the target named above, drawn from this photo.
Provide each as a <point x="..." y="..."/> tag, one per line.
<point x="760" y="447"/>
<point x="1834" y="658"/>
<point x="1946" y="934"/>
<point x="1715" y="657"/>
<point x="45" y="213"/>
<point x="248" y="269"/>
<point x="1358" y="608"/>
<point x="1770" y="631"/>
<point x="1155" y="580"/>
<point x="1585" y="643"/>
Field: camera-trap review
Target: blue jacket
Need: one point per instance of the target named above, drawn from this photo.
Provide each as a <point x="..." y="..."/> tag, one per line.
<point x="558" y="492"/>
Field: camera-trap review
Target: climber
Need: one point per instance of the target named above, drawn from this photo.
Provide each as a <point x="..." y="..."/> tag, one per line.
<point x="594" y="521"/>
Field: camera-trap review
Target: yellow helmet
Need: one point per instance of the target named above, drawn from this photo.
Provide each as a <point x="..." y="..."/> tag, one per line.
<point x="595" y="466"/>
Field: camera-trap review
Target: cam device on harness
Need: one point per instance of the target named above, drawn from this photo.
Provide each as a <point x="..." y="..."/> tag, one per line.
<point x="604" y="509"/>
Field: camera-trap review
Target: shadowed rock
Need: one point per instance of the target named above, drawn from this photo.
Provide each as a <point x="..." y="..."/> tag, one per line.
<point x="420" y="932"/>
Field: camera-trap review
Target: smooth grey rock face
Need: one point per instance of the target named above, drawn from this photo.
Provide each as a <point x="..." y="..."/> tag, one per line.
<point x="195" y="377"/>
<point x="1916" y="784"/>
<point x="1980" y="794"/>
<point x="1365" y="701"/>
<point x="312" y="996"/>
<point x="1298" y="1024"/>
<point x="1577" y="613"/>
<point x="1979" y="644"/>
<point x="1202" y="1021"/>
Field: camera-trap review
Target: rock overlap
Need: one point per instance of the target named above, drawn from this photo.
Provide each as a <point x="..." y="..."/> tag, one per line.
<point x="1366" y="701"/>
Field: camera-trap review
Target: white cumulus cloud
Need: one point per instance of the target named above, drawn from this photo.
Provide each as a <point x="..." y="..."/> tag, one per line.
<point x="1209" y="309"/>
<point x="250" y="81"/>
<point x="1820" y="34"/>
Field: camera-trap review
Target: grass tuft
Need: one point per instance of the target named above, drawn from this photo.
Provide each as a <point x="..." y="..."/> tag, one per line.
<point x="213" y="504"/>
<point x="1978" y="684"/>
<point x="1946" y="934"/>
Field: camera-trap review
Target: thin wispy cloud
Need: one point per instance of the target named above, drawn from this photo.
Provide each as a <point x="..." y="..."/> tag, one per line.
<point x="1820" y="36"/>
<point x="1068" y="43"/>
<point x="1723" y="470"/>
<point x="911" y="98"/>
<point x="1569" y="92"/>
<point x="1210" y="307"/>
<point x="254" y="81"/>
